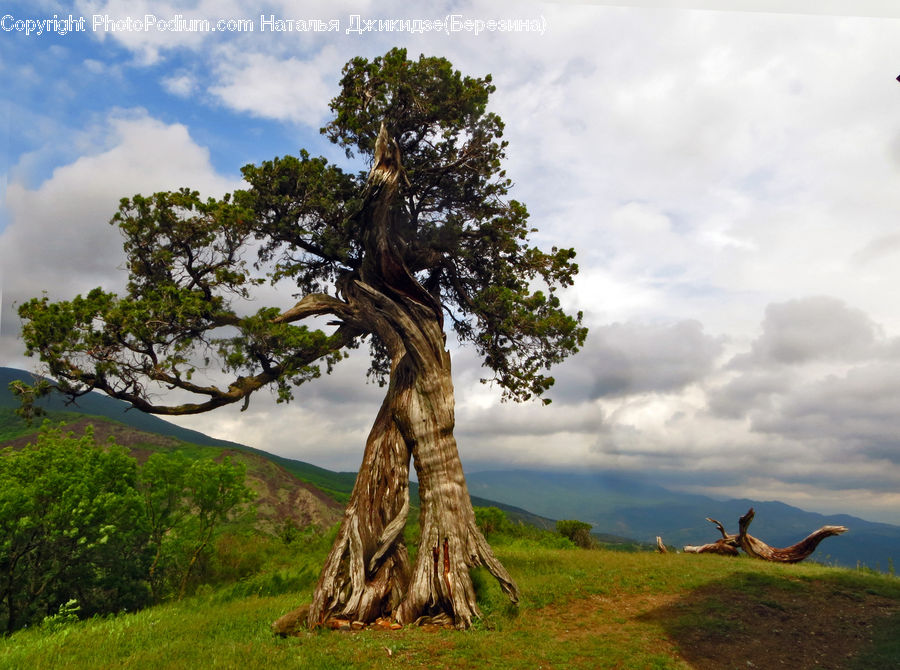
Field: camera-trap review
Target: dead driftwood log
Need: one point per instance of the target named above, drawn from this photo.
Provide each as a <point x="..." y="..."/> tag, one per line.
<point x="752" y="546"/>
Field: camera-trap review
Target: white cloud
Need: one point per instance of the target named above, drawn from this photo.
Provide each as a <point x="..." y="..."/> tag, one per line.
<point x="728" y="180"/>
<point x="59" y="239"/>
<point x="269" y="87"/>
<point x="181" y="85"/>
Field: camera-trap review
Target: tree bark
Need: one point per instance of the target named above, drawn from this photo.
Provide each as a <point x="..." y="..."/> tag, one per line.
<point x="451" y="543"/>
<point x="727" y="546"/>
<point x="720" y="547"/>
<point x="367" y="571"/>
<point x="366" y="575"/>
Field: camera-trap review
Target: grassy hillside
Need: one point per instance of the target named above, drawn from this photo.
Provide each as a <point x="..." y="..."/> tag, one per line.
<point x="337" y="484"/>
<point x="580" y="609"/>
<point x="281" y="495"/>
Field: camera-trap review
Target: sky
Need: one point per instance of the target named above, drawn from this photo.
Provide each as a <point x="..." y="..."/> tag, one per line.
<point x="727" y="172"/>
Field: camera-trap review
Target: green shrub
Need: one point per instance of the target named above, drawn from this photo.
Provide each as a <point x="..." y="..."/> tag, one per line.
<point x="67" y="614"/>
<point x="578" y="532"/>
<point x="491" y="520"/>
<point x="72" y="526"/>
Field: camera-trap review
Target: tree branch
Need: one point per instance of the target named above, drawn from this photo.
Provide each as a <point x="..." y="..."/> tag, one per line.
<point x="239" y="389"/>
<point x="314" y="304"/>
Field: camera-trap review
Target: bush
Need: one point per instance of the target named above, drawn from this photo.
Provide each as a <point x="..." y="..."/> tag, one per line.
<point x="67" y="614"/>
<point x="72" y="526"/>
<point x="578" y="532"/>
<point x="496" y="527"/>
<point x="491" y="520"/>
<point x="80" y="522"/>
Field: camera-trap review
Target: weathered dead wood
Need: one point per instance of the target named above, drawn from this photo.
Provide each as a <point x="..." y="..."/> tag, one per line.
<point x="660" y="547"/>
<point x="752" y="546"/>
<point x="720" y="547"/>
<point x="793" y="554"/>
<point x="725" y="536"/>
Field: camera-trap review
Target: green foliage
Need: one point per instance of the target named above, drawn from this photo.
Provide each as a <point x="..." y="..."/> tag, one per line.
<point x="463" y="234"/>
<point x="80" y="522"/>
<point x="28" y="395"/>
<point x="67" y="614"/>
<point x="460" y="235"/>
<point x="161" y="484"/>
<point x="495" y="525"/>
<point x="267" y="584"/>
<point x="13" y="424"/>
<point x="71" y="526"/>
<point x="185" y="501"/>
<point x="491" y="520"/>
<point x="290" y="532"/>
<point x="578" y="532"/>
<point x="212" y="490"/>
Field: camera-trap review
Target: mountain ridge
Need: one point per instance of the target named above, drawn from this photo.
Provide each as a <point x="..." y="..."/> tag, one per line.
<point x="648" y="510"/>
<point x="616" y="505"/>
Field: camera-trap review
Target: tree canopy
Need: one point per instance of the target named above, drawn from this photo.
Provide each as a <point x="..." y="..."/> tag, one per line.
<point x="457" y="231"/>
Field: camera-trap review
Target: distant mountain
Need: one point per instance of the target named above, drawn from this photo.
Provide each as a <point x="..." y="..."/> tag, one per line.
<point x="338" y="485"/>
<point x="99" y="404"/>
<point x="628" y="507"/>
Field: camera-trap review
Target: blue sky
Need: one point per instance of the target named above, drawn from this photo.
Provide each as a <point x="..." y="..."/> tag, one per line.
<point x="67" y="85"/>
<point x="728" y="178"/>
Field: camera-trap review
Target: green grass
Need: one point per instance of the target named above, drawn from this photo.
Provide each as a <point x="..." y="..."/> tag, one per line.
<point x="579" y="609"/>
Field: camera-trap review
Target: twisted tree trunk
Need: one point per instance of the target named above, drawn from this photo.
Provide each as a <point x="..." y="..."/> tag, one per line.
<point x="366" y="575"/>
<point x="367" y="570"/>
<point x="451" y="543"/>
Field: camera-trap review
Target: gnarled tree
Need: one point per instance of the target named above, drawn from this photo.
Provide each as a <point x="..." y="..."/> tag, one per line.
<point x="423" y="239"/>
<point x="729" y="544"/>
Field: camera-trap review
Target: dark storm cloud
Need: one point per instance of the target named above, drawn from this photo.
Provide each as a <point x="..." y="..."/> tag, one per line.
<point x="855" y="411"/>
<point x="813" y="328"/>
<point x="631" y="358"/>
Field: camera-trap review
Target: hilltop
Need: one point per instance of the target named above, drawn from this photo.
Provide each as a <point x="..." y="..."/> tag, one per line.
<point x="579" y="609"/>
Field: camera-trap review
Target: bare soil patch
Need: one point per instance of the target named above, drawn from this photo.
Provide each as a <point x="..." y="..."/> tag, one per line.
<point x="813" y="625"/>
<point x="803" y="625"/>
